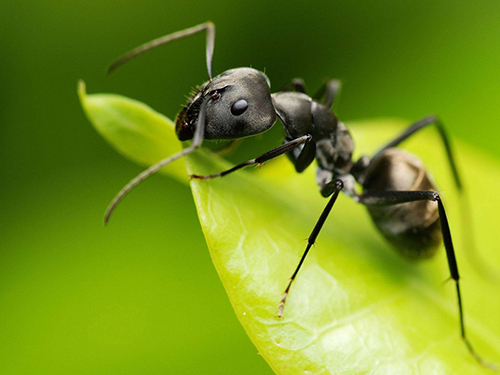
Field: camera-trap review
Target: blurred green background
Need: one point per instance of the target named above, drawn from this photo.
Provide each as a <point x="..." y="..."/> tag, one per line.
<point x="142" y="296"/>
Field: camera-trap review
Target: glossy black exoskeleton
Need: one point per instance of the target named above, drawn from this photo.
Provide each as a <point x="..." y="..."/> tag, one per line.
<point x="397" y="191"/>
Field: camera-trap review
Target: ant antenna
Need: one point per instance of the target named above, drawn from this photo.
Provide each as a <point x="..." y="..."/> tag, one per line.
<point x="197" y="141"/>
<point x="208" y="26"/>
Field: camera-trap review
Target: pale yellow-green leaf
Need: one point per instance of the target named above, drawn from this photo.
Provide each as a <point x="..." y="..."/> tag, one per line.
<point x="134" y="129"/>
<point x="356" y="307"/>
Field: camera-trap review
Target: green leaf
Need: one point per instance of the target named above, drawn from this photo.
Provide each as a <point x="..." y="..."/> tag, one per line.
<point x="135" y="130"/>
<point x="356" y="307"/>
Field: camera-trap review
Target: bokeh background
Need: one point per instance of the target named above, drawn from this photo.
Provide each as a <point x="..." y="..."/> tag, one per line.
<point x="142" y="296"/>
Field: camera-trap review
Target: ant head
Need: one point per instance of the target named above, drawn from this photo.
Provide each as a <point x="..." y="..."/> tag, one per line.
<point x="240" y="105"/>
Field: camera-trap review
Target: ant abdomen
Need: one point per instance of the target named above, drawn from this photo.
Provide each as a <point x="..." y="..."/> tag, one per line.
<point x="413" y="227"/>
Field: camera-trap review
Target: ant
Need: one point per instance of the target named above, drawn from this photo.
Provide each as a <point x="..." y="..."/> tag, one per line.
<point x="397" y="191"/>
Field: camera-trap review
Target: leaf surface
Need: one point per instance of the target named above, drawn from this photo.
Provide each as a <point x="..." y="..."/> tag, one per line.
<point x="356" y="307"/>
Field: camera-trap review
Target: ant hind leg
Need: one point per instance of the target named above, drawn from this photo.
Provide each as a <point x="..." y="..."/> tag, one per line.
<point x="389" y="198"/>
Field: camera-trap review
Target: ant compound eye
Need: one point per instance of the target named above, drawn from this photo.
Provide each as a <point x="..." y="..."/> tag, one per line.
<point x="215" y="95"/>
<point x="239" y="107"/>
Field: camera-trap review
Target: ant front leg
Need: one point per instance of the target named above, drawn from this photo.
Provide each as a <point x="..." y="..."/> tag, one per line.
<point x="328" y="92"/>
<point x="296" y="84"/>
<point x="261" y="159"/>
<point x="325" y="95"/>
<point x="334" y="187"/>
<point x="389" y="198"/>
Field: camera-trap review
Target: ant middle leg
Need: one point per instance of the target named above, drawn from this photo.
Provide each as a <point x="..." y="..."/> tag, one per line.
<point x="287" y="147"/>
<point x="334" y="187"/>
<point x="389" y="198"/>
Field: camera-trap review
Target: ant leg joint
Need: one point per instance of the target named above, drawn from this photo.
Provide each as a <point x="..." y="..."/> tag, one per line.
<point x="339" y="184"/>
<point x="331" y="187"/>
<point x="435" y="196"/>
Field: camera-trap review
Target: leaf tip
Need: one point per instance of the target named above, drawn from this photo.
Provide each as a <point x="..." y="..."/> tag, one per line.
<point x="82" y="90"/>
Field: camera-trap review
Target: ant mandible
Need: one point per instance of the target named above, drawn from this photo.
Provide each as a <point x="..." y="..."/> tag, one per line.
<point x="397" y="191"/>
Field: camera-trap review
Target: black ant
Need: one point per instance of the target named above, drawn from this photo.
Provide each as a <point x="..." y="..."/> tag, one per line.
<point x="397" y="191"/>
